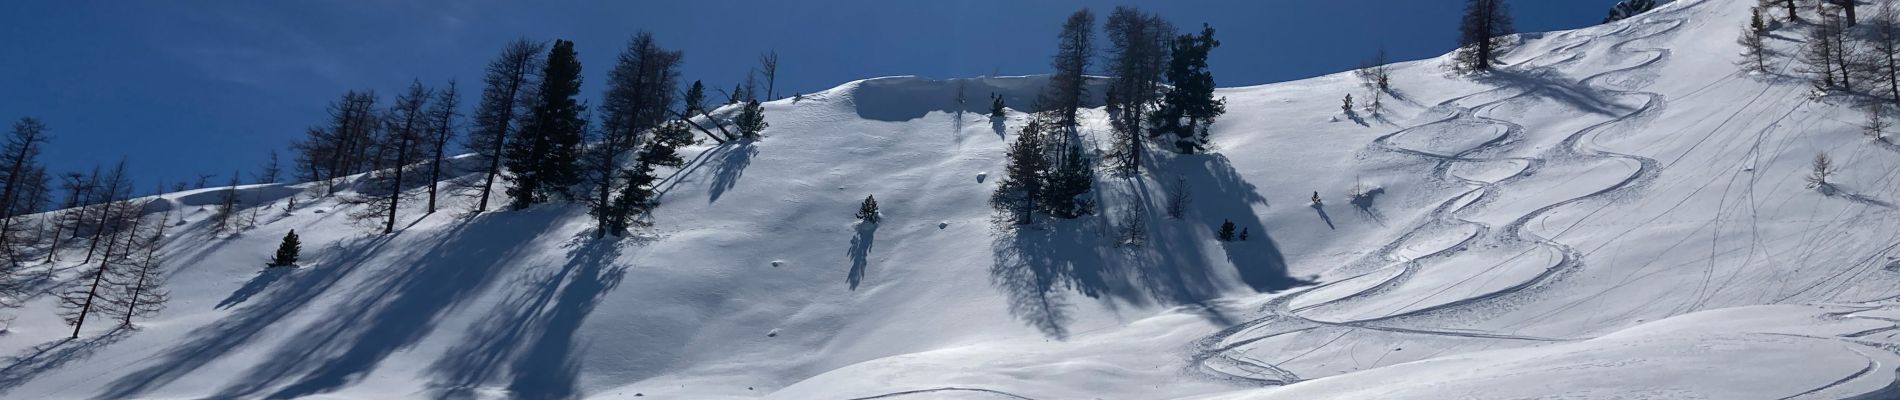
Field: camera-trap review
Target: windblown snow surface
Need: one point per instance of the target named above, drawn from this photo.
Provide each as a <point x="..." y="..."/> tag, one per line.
<point x="1617" y="213"/>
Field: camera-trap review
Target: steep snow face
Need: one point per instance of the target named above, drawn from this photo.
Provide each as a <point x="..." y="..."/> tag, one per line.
<point x="905" y="98"/>
<point x="1615" y="213"/>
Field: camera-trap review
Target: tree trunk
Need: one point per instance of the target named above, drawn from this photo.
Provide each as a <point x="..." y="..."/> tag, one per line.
<point x="689" y="121"/>
<point x="435" y="170"/>
<point x="1134" y="148"/>
<point x="395" y="186"/>
<point x="1484" y="43"/>
<point x="1840" y="60"/>
<point x="14" y="180"/>
<point x="53" y="249"/>
<point x="1893" y="75"/>
<point x="92" y="292"/>
<point x="716" y="124"/>
<point x="86" y="308"/>
<point x="105" y="215"/>
<point x="1849" y="6"/>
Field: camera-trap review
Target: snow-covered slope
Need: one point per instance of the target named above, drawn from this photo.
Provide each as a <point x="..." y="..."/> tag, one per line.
<point x="1615" y="214"/>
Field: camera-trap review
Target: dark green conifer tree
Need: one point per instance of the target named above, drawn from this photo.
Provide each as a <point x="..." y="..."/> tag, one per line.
<point x="867" y="212"/>
<point x="545" y="159"/>
<point x="1017" y="193"/>
<point x="695" y="99"/>
<point x="1189" y="107"/>
<point x="636" y="196"/>
<point x="287" y="252"/>
<point x="1065" y="185"/>
<point x="752" y="120"/>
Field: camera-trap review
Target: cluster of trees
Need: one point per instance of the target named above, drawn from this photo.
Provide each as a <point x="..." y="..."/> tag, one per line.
<point x="529" y="130"/>
<point x="1048" y="170"/>
<point x="1159" y="89"/>
<point x="1159" y="86"/>
<point x="1839" y="53"/>
<point x="640" y="95"/>
<point x="122" y="274"/>
<point x="1376" y="75"/>
<point x="1226" y="232"/>
<point x="1139" y="45"/>
<point x="399" y="147"/>
<point x="531" y="133"/>
<point x="25" y="187"/>
<point x="1046" y="174"/>
<point x="126" y="281"/>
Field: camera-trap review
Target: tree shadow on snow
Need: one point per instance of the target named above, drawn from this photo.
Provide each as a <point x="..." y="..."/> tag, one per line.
<point x="235" y="331"/>
<point x="1887" y="144"/>
<point x="1031" y="261"/>
<point x="1356" y="119"/>
<point x="546" y="367"/>
<point x="860" y="253"/>
<point x="394" y="309"/>
<point x="1221" y="194"/>
<point x="1036" y="266"/>
<point x="734" y="157"/>
<point x="1549" y="84"/>
<point x="1835" y="190"/>
<point x="1321" y="208"/>
<point x="198" y="249"/>
<point x="691" y="166"/>
<point x="1364" y="203"/>
<point x="256" y="285"/>
<point x="1395" y="93"/>
<point x="530" y="335"/>
<point x="32" y="362"/>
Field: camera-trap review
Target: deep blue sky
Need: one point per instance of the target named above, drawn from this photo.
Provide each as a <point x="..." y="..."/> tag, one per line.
<point x="183" y="88"/>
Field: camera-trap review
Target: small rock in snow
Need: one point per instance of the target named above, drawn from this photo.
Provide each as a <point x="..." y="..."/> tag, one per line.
<point x="319" y="211"/>
<point x="980" y="176"/>
<point x="776" y="263"/>
<point x="1334" y="118"/>
<point x="944" y="224"/>
<point x="773" y="333"/>
<point x="1893" y="266"/>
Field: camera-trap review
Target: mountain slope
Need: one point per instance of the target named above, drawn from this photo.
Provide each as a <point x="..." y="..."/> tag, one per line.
<point x="1616" y="203"/>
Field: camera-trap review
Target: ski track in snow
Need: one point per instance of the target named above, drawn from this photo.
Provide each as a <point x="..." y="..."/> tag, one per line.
<point x="1223" y="354"/>
<point x="907" y="393"/>
<point x="1219" y="354"/>
<point x="1520" y="221"/>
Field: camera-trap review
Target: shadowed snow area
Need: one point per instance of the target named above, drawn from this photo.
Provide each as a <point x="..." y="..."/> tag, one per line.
<point x="1616" y="213"/>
